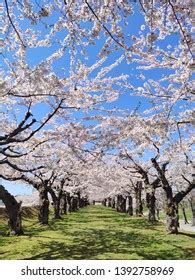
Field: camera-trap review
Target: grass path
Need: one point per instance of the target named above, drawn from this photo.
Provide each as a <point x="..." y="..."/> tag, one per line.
<point x="96" y="232"/>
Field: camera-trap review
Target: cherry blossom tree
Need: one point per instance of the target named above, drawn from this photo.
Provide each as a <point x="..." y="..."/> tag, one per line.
<point x="48" y="64"/>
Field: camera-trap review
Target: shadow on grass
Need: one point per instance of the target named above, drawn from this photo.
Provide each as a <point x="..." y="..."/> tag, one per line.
<point x="103" y="244"/>
<point x="191" y="235"/>
<point x="103" y="233"/>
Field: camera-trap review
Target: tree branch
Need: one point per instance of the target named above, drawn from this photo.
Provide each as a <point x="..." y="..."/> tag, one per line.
<point x="14" y="166"/>
<point x="15" y="29"/>
<point x="161" y="173"/>
<point x="180" y="26"/>
<point x="7" y="139"/>
<point x="105" y="28"/>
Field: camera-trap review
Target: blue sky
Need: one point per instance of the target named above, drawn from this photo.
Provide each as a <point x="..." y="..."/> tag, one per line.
<point x="17" y="188"/>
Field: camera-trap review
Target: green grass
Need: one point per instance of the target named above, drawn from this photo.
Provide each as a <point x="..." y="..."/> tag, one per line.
<point x="181" y="217"/>
<point x="96" y="232"/>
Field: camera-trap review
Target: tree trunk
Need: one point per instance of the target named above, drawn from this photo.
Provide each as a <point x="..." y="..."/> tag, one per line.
<point x="184" y="215"/>
<point x="172" y="201"/>
<point x="193" y="211"/>
<point x="109" y="202"/>
<point x="79" y="199"/>
<point x="63" y="204"/>
<point x="158" y="213"/>
<point x="172" y="215"/>
<point x="59" y="197"/>
<point x="113" y="202"/>
<point x="56" y="202"/>
<point x="14" y="211"/>
<point x="130" y="205"/>
<point x="138" y="199"/>
<point x="150" y="200"/>
<point x="118" y="202"/>
<point x="104" y="202"/>
<point x="82" y="202"/>
<point x="69" y="206"/>
<point x="85" y="201"/>
<point x="74" y="203"/>
<point x="43" y="215"/>
<point x="121" y="204"/>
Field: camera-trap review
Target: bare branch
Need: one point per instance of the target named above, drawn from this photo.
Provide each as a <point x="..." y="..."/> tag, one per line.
<point x="8" y="178"/>
<point x="14" y="166"/>
<point x="180" y="26"/>
<point x="157" y="148"/>
<point x="105" y="28"/>
<point x="161" y="173"/>
<point x="15" y="29"/>
<point x="186" y="179"/>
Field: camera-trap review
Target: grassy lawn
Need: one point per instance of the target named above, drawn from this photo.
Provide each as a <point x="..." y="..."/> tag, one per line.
<point x="95" y="232"/>
<point x="188" y="214"/>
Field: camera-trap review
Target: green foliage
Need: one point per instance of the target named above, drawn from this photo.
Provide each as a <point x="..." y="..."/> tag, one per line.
<point x="96" y="232"/>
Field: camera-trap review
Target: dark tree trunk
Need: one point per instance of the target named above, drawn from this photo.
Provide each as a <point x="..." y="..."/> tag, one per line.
<point x="14" y="211"/>
<point x="150" y="200"/>
<point x="130" y="205"/>
<point x="113" y="202"/>
<point x="118" y="202"/>
<point x="82" y="202"/>
<point x="172" y="216"/>
<point x="172" y="213"/>
<point x="79" y="199"/>
<point x="171" y="202"/>
<point x="138" y="199"/>
<point x="121" y="203"/>
<point x="109" y="202"/>
<point x="104" y="201"/>
<point x="63" y="204"/>
<point x="59" y="198"/>
<point x="43" y="215"/>
<point x="56" y="202"/>
<point x="74" y="203"/>
<point x="69" y="206"/>
<point x="184" y="215"/>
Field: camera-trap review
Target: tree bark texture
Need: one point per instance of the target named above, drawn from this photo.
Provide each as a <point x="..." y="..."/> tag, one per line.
<point x="56" y="199"/>
<point x="104" y="201"/>
<point x="172" y="215"/>
<point x="63" y="204"/>
<point x="14" y="211"/>
<point x="69" y="206"/>
<point x="130" y="205"/>
<point x="121" y="204"/>
<point x="74" y="203"/>
<point x="113" y="202"/>
<point x="43" y="214"/>
<point x="109" y="202"/>
<point x="138" y="199"/>
<point x="150" y="201"/>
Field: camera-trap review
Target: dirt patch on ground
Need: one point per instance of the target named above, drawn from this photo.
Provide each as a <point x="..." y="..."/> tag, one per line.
<point x="27" y="212"/>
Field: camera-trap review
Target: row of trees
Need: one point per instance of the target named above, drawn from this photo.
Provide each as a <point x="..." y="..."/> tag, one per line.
<point x="61" y="85"/>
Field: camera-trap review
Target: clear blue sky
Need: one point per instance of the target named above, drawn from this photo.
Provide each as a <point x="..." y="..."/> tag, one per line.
<point x="17" y="188"/>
